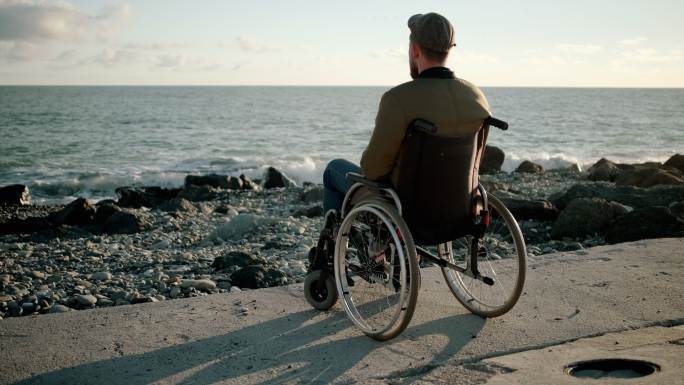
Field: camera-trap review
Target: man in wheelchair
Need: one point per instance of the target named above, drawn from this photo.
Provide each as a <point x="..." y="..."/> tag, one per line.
<point x="418" y="180"/>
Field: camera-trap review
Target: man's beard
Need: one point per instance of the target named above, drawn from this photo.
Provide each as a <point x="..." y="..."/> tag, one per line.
<point x="414" y="69"/>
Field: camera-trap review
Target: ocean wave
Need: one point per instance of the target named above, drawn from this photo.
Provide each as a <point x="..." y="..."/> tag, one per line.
<point x="546" y="160"/>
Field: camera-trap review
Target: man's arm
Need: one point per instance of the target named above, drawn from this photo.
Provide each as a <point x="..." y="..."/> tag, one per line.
<point x="383" y="149"/>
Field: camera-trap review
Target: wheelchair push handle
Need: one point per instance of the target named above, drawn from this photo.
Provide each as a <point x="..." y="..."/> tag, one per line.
<point x="490" y="121"/>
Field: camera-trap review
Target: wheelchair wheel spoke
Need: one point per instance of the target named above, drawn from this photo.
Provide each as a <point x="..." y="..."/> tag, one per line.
<point x="501" y="257"/>
<point x="380" y="301"/>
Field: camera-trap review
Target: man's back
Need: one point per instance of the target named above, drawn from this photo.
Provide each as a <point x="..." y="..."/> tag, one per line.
<point x="455" y="106"/>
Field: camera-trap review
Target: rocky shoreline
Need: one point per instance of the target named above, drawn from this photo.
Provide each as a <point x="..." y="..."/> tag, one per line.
<point x="219" y="233"/>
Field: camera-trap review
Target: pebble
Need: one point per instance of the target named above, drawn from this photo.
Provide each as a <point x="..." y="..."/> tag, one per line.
<point x="60" y="309"/>
<point x="199" y="284"/>
<point x="175" y="292"/>
<point x="102" y="276"/>
<point x="85" y="299"/>
<point x="38" y="274"/>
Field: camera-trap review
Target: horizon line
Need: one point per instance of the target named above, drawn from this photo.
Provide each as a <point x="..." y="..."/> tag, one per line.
<point x="326" y="85"/>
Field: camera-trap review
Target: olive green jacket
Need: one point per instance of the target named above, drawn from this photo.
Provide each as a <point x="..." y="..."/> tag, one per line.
<point x="455" y="106"/>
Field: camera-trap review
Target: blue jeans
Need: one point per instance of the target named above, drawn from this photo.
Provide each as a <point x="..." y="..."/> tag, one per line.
<point x="336" y="184"/>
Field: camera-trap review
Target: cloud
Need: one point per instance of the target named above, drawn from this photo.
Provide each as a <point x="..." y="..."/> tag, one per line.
<point x="633" y="41"/>
<point x="66" y="56"/>
<point x="391" y="54"/>
<point x="19" y="51"/>
<point x="249" y="44"/>
<point x="111" y="58"/>
<point x="42" y="21"/>
<point x="170" y="61"/>
<point x="578" y="49"/>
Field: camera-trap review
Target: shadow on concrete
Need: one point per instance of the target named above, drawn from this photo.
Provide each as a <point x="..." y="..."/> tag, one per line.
<point x="283" y="350"/>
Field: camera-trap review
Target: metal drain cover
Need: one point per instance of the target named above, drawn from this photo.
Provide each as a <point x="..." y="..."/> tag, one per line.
<point x="611" y="368"/>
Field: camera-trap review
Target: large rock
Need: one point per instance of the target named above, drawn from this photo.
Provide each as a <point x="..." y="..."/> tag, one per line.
<point x="126" y="222"/>
<point x="586" y="216"/>
<point x="644" y="223"/>
<point x="178" y="205"/>
<point x="274" y="178"/>
<point x="677" y="209"/>
<point x="649" y="177"/>
<point x="247" y="183"/>
<point x="16" y="194"/>
<point x="198" y="193"/>
<point x="676" y="161"/>
<point x="492" y="160"/>
<point x="309" y="212"/>
<point x="257" y="277"/>
<point x="104" y="211"/>
<point x="236" y="258"/>
<point x="151" y="196"/>
<point x="213" y="180"/>
<point x="312" y="195"/>
<point x="78" y="212"/>
<point x="539" y="210"/>
<point x="604" y="170"/>
<point x="24" y="226"/>
<point x="627" y="195"/>
<point x="529" y="168"/>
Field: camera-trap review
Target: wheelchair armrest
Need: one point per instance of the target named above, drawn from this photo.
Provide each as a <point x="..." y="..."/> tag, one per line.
<point x="491" y="121"/>
<point x="358" y="178"/>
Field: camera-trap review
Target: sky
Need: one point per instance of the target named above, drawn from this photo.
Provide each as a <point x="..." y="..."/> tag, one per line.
<point x="629" y="43"/>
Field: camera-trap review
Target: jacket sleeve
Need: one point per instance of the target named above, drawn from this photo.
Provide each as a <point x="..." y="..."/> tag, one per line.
<point x="382" y="151"/>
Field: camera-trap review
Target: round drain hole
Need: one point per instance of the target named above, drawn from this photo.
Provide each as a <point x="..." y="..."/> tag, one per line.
<point x="611" y="368"/>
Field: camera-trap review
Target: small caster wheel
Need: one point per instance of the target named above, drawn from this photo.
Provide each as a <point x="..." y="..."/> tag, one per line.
<point x="320" y="290"/>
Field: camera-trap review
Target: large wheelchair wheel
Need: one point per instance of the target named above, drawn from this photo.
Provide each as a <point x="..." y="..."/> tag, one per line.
<point x="376" y="269"/>
<point x="500" y="256"/>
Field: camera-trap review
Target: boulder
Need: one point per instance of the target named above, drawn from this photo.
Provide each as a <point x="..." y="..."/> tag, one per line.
<point x="627" y="195"/>
<point x="648" y="177"/>
<point x="257" y="276"/>
<point x="522" y="209"/>
<point x="677" y="209"/>
<point x="645" y="223"/>
<point x="247" y="184"/>
<point x="603" y="170"/>
<point x="126" y="222"/>
<point x="312" y="194"/>
<point x="237" y="258"/>
<point x="198" y="193"/>
<point x="309" y="212"/>
<point x="676" y="161"/>
<point x="234" y="183"/>
<point x="213" y="180"/>
<point x="78" y="212"/>
<point x="24" y="226"/>
<point x="16" y="194"/>
<point x="178" y="205"/>
<point x="529" y="168"/>
<point x="492" y="160"/>
<point x="586" y="216"/>
<point x="274" y="179"/>
<point x="104" y="212"/>
<point x="151" y="196"/>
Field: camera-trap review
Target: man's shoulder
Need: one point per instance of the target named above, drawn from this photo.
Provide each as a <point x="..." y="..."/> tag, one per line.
<point x="421" y="84"/>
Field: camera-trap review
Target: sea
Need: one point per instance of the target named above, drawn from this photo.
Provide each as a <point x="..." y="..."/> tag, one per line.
<point x="70" y="141"/>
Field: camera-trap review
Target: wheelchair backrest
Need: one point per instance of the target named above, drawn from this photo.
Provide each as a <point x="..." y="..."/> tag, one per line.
<point x="438" y="179"/>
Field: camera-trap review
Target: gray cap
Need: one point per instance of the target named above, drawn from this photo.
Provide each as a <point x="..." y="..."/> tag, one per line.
<point x="432" y="31"/>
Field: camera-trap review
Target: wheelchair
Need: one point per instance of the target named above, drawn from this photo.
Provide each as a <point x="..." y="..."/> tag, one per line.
<point x="368" y="254"/>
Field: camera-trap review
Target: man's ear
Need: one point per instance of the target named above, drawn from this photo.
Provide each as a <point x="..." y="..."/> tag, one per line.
<point x="415" y="50"/>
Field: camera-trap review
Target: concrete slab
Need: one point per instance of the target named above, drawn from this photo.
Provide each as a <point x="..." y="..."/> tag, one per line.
<point x="656" y="345"/>
<point x="282" y="340"/>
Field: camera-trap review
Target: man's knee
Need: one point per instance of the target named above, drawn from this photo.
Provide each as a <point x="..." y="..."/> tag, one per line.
<point x="333" y="165"/>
